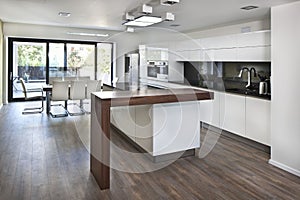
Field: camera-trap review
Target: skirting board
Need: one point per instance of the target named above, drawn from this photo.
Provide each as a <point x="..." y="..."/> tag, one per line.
<point x="284" y="167"/>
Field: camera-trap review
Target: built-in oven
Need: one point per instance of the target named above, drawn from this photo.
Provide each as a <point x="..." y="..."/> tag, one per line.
<point x="157" y="70"/>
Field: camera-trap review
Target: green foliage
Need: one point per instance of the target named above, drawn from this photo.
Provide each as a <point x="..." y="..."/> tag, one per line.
<point x="105" y="61"/>
<point x="31" y="55"/>
<point x="74" y="59"/>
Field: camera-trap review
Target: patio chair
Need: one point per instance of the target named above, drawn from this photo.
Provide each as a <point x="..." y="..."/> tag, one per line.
<point x="32" y="94"/>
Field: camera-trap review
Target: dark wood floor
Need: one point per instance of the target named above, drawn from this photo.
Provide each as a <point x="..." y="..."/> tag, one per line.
<point x="44" y="158"/>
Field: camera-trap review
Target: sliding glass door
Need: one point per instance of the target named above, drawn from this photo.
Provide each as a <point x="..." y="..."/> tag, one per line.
<point x="29" y="64"/>
<point x="37" y="60"/>
<point x="56" y="59"/>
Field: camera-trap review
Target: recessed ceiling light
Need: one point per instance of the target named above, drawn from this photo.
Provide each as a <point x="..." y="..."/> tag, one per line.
<point x="175" y="25"/>
<point x="88" y="34"/>
<point x="249" y="7"/>
<point x="64" y="14"/>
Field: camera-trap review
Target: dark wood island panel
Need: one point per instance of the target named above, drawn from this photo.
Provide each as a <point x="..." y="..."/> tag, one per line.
<point x="100" y="120"/>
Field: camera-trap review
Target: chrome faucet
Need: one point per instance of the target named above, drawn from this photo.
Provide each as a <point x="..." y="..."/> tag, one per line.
<point x="249" y="75"/>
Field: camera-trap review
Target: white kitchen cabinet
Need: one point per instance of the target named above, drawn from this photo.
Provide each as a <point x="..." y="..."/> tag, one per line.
<point x="160" y="128"/>
<point x="222" y="54"/>
<point x="259" y="53"/>
<point x="232" y="113"/>
<point x="258" y="115"/>
<point x="210" y="110"/>
<point x="182" y="55"/>
<point x="153" y="53"/>
<point x="176" y="127"/>
<point x="195" y="55"/>
<point x="253" y="39"/>
<point x="226" y="41"/>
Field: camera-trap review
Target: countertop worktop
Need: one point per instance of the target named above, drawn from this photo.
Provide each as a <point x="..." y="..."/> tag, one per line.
<point x="154" y="95"/>
<point x="148" y="84"/>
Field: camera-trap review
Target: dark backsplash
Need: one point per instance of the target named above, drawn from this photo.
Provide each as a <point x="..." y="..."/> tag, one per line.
<point x="224" y="75"/>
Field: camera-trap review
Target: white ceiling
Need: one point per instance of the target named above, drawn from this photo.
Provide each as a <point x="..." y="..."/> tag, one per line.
<point x="108" y="14"/>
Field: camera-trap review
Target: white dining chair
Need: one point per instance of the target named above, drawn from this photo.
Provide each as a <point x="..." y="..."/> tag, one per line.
<point x="77" y="92"/>
<point x="91" y="86"/>
<point x="32" y="94"/>
<point x="60" y="92"/>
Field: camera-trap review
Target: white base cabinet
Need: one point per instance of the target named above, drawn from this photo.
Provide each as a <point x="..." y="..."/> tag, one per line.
<point x="232" y="114"/>
<point x="245" y="116"/>
<point x="160" y="128"/>
<point x="258" y="114"/>
<point x="210" y="110"/>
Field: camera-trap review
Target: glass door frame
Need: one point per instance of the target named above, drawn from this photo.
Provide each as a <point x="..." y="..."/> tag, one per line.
<point x="11" y="41"/>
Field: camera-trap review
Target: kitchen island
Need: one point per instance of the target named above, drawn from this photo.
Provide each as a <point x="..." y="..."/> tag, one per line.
<point x="100" y="120"/>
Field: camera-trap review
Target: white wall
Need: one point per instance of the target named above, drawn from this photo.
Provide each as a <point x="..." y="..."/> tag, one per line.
<point x="285" y="106"/>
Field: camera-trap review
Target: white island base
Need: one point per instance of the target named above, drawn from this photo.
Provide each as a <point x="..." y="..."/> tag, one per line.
<point x="160" y="129"/>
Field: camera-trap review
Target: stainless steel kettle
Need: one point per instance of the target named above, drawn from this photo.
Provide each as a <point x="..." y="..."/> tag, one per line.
<point x="263" y="88"/>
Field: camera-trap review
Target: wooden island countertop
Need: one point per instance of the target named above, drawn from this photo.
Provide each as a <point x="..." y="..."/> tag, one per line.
<point x="100" y="120"/>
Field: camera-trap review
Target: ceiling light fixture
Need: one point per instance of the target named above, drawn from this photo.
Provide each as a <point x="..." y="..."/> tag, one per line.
<point x="249" y="7"/>
<point x="89" y="34"/>
<point x="64" y="14"/>
<point x="144" y="20"/>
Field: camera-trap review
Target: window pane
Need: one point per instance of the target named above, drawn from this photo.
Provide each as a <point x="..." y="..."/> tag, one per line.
<point x="56" y="60"/>
<point x="104" y="65"/>
<point x="81" y="60"/>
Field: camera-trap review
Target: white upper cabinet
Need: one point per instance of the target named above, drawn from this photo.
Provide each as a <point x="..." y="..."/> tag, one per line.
<point x="253" y="46"/>
<point x="158" y="54"/>
<point x="220" y="42"/>
<point x="258" y="53"/>
<point x="252" y="39"/>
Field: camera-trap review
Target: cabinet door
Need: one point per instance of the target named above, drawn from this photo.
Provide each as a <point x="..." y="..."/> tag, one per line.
<point x="259" y="53"/>
<point x="195" y="55"/>
<point x="182" y="55"/>
<point x="258" y="120"/>
<point x="144" y="127"/>
<point x="252" y="39"/>
<point x="224" y="54"/>
<point x="176" y="127"/>
<point x="227" y="41"/>
<point x="123" y="118"/>
<point x="210" y="110"/>
<point x="232" y="113"/>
